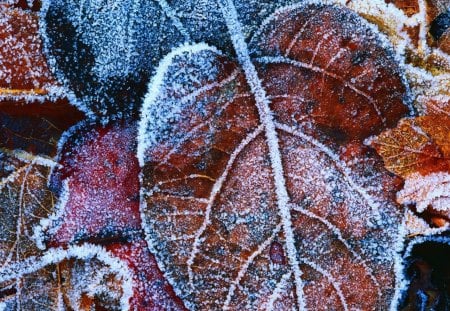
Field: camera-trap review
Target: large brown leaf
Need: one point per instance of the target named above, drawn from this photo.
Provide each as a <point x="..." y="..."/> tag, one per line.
<point x="253" y="200"/>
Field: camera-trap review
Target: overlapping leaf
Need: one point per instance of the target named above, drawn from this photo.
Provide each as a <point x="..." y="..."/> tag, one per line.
<point x="33" y="112"/>
<point x="106" y="52"/>
<point x="24" y="200"/>
<point x="416" y="145"/>
<point x="418" y="150"/>
<point x="255" y="200"/>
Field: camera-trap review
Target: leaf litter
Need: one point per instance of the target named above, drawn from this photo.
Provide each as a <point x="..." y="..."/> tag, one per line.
<point x="257" y="190"/>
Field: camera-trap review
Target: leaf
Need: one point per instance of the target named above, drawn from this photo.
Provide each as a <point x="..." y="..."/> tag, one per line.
<point x="33" y="113"/>
<point x="429" y="191"/>
<point x="150" y="289"/>
<point x="105" y="53"/>
<point x="97" y="182"/>
<point x="60" y="281"/>
<point x="23" y="69"/>
<point x="24" y="199"/>
<point x="418" y="150"/>
<point x="256" y="194"/>
<point x="79" y="278"/>
<point x="438" y="105"/>
<point x="98" y="186"/>
<point x="418" y="145"/>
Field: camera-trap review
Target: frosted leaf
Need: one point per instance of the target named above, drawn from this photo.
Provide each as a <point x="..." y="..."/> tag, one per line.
<point x="114" y="47"/>
<point x="23" y="69"/>
<point x="24" y="199"/>
<point x="97" y="182"/>
<point x="67" y="279"/>
<point x="109" y="46"/>
<point x="416" y="145"/>
<point x="249" y="197"/>
<point x="432" y="190"/>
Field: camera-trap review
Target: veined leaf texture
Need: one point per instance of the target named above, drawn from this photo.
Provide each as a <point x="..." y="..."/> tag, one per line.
<point x="224" y="155"/>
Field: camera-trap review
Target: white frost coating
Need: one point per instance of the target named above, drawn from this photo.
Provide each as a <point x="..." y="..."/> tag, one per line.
<point x="53" y="93"/>
<point x="438" y="107"/>
<point x="145" y="139"/>
<point x="400" y="282"/>
<point x="330" y="279"/>
<point x="30" y="158"/>
<point x="378" y="8"/>
<point x="418" y="226"/>
<point x="266" y="118"/>
<point x="63" y="90"/>
<point x="83" y="252"/>
<point x="426" y="85"/>
<point x="340" y="238"/>
<point x="341" y="165"/>
<point x="430" y="190"/>
<point x="286" y="60"/>
<point x="422" y="21"/>
<point x="67" y="135"/>
<point x="11" y="177"/>
<point x="191" y="97"/>
<point x="41" y="230"/>
<point x="217" y="187"/>
<point x="175" y="20"/>
<point x="247" y="263"/>
<point x="423" y="239"/>
<point x="277" y="292"/>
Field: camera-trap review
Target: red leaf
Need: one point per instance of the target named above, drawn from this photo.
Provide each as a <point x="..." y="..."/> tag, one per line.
<point x="151" y="290"/>
<point x="101" y="171"/>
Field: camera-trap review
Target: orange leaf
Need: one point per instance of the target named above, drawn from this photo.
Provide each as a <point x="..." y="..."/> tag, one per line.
<point x="419" y="145"/>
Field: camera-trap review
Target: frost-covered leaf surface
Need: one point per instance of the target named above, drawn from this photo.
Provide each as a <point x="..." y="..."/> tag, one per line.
<point x="418" y="150"/>
<point x="105" y="52"/>
<point x="25" y="199"/>
<point x="33" y="113"/>
<point x="78" y="278"/>
<point x="431" y="190"/>
<point x="256" y="194"/>
<point x="23" y="68"/>
<point x="98" y="186"/>
<point x="257" y="188"/>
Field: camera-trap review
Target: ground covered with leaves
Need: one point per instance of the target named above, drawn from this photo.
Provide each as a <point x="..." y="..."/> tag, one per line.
<point x="224" y="155"/>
